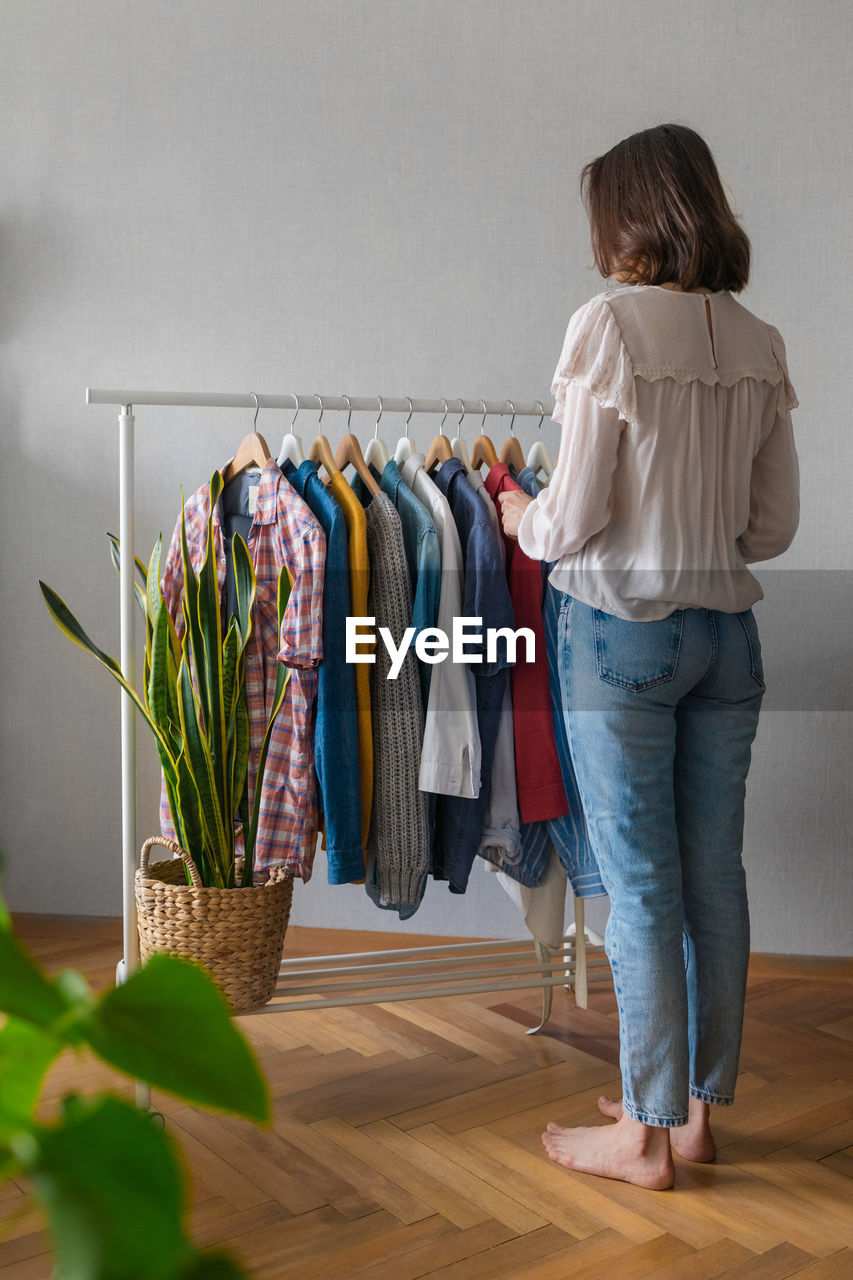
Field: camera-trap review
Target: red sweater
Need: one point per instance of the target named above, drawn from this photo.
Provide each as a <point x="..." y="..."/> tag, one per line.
<point x="541" y="794"/>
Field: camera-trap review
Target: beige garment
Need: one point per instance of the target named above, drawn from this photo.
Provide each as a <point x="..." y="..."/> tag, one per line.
<point x="543" y="907"/>
<point x="677" y="464"/>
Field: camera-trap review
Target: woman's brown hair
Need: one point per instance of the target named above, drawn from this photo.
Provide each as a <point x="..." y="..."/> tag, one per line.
<point x="657" y="210"/>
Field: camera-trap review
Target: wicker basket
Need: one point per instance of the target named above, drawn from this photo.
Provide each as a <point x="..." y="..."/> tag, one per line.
<point x="236" y="934"/>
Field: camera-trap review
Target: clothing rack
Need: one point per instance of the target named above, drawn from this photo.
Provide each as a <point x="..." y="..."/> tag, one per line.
<point x="460" y="969"/>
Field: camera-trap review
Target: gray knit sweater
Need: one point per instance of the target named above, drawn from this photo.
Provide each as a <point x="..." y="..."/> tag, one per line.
<point x="399" y="829"/>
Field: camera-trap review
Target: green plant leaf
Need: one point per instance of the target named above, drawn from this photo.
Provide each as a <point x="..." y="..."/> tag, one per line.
<point x="5" y="918"/>
<point x="25" y="992"/>
<point x="170" y="1025"/>
<point x="190" y="828"/>
<point x="158" y="699"/>
<point x="152" y="581"/>
<point x="230" y="671"/>
<point x="112" y="1190"/>
<point x="285" y="586"/>
<point x="115" y="556"/>
<point x="244" y="581"/>
<point x="68" y="624"/>
<point x="26" y="1052"/>
<point x="285" y="583"/>
<point x="209" y="668"/>
<point x="200" y="765"/>
<point x="193" y="641"/>
<point x="141" y="573"/>
<point x="239" y="781"/>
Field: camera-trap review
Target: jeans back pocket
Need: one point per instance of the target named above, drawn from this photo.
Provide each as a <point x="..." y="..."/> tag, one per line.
<point x="637" y="655"/>
<point x="750" y="627"/>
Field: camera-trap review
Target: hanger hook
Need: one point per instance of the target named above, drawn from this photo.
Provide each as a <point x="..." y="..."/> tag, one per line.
<point x="381" y="411"/>
<point x="411" y="410"/>
<point x="320" y="402"/>
<point x="542" y="412"/>
<point x="441" y="426"/>
<point x="257" y="408"/>
<point x="295" y="413"/>
<point x="512" y="419"/>
<point x="483" y="423"/>
<point x="461" y="417"/>
<point x="349" y="406"/>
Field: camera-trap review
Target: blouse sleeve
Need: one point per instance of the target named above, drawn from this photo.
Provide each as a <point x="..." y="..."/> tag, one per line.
<point x="594" y="390"/>
<point x="774" y="489"/>
<point x="595" y="357"/>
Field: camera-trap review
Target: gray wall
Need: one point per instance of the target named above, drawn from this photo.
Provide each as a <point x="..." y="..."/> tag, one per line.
<point x="381" y="197"/>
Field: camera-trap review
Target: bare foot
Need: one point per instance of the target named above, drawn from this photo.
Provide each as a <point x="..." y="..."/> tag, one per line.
<point x="628" y="1151"/>
<point x="693" y="1141"/>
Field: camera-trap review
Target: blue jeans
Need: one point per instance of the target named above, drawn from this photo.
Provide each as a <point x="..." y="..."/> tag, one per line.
<point x="661" y="717"/>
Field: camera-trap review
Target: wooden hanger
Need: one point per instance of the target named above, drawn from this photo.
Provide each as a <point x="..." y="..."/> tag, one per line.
<point x="349" y="454"/>
<point x="484" y="450"/>
<point x="440" y="450"/>
<point x="511" y="453"/>
<point x="253" y="451"/>
<point x="321" y="453"/>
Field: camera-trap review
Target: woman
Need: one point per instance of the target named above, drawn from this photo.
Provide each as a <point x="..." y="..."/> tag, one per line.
<point x="676" y="469"/>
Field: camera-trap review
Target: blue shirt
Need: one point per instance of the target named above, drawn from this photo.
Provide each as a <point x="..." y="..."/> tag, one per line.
<point x="568" y="834"/>
<point x="336" y="735"/>
<point x="459" y="821"/>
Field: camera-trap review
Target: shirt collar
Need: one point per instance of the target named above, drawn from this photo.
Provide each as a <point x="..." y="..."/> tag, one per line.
<point x="497" y="474"/>
<point x="268" y="486"/>
<point x="413" y="464"/>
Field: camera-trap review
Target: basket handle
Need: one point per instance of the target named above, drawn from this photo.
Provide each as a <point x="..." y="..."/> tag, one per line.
<point x="173" y="847"/>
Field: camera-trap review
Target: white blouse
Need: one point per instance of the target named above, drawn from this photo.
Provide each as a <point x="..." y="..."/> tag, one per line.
<point x="677" y="464"/>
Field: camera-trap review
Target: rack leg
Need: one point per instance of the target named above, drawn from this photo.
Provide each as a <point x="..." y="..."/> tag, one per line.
<point x="128" y="713"/>
<point x="130" y="960"/>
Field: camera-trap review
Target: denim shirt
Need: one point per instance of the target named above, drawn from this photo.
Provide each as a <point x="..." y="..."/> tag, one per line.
<point x="568" y="834"/>
<point x="336" y="736"/>
<point x="459" y="820"/>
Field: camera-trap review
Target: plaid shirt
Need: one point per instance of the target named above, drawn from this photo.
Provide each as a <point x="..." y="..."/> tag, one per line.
<point x="283" y="532"/>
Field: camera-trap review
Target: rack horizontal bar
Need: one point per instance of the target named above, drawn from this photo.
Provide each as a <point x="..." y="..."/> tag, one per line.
<point x="514" y="944"/>
<point x="358" y="404"/>
<point x="277" y="1006"/>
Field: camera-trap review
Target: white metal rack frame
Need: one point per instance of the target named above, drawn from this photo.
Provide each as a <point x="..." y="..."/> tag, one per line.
<point x="365" y="977"/>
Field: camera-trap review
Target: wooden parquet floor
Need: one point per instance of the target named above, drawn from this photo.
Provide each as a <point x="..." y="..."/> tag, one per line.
<point x="406" y="1141"/>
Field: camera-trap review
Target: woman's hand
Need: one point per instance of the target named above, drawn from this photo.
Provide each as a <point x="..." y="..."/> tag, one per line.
<point x="513" y="506"/>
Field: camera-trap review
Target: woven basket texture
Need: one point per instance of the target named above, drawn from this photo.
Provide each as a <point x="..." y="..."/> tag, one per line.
<point x="237" y="935"/>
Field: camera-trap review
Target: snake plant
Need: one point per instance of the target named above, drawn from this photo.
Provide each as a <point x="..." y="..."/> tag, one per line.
<point x="194" y="698"/>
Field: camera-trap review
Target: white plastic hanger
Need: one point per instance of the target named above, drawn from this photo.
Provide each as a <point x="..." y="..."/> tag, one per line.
<point x="458" y="445"/>
<point x="405" y="445"/>
<point x="539" y="459"/>
<point x="376" y="454"/>
<point x="291" y="445"/>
